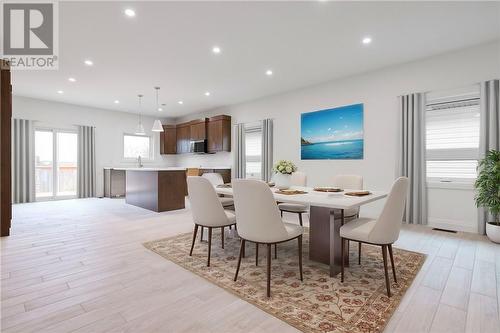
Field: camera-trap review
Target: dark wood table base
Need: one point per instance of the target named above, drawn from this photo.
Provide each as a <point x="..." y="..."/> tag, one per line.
<point x="325" y="245"/>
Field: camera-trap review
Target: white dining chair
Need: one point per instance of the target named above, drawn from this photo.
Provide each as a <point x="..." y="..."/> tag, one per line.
<point x="349" y="182"/>
<point x="216" y="179"/>
<point x="297" y="179"/>
<point x="383" y="231"/>
<point x="258" y="221"/>
<point x="207" y="210"/>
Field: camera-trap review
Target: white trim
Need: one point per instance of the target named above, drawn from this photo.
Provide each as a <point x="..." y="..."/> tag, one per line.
<point x="452" y="185"/>
<point x="449" y="224"/>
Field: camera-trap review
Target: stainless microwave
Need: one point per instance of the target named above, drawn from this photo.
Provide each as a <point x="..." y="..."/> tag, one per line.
<point x="199" y="146"/>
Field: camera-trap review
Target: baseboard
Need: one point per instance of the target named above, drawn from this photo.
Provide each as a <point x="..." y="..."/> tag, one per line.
<point x="449" y="224"/>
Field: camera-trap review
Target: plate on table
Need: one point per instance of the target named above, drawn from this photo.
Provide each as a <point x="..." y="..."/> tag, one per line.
<point x="328" y="189"/>
<point x="290" y="192"/>
<point x="358" y="193"/>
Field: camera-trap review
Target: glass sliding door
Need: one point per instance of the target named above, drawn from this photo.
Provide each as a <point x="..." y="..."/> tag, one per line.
<point x="55" y="164"/>
<point x="67" y="146"/>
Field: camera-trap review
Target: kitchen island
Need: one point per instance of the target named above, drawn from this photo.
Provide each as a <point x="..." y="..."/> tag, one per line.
<point x="156" y="189"/>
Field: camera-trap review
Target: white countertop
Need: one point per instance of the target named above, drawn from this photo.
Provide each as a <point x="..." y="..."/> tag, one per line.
<point x="148" y="169"/>
<point x="214" y="167"/>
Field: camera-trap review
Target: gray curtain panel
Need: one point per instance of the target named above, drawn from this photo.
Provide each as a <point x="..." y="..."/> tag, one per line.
<point x="86" y="162"/>
<point x="240" y="160"/>
<point x="23" y="175"/>
<point x="412" y="155"/>
<point x="267" y="149"/>
<point x="489" y="136"/>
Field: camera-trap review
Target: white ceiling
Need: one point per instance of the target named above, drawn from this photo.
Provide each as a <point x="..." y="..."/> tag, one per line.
<point x="169" y="44"/>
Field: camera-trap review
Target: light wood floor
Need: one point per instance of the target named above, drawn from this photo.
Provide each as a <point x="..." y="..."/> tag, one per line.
<point x="79" y="266"/>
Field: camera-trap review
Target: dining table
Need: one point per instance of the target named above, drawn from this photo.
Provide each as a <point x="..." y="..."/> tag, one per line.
<point x="324" y="229"/>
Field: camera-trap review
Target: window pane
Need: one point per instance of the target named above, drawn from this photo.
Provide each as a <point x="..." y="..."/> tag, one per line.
<point x="44" y="164"/>
<point x="134" y="146"/>
<point x="465" y="169"/>
<point x="253" y="153"/>
<point x="67" y="146"/>
<point x="453" y="128"/>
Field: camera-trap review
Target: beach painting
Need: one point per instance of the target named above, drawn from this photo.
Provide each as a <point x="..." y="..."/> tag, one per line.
<point x="333" y="134"/>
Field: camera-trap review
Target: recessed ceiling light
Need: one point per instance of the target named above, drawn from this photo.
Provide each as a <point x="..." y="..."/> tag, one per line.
<point x="71" y="79"/>
<point x="160" y="109"/>
<point x="60" y="92"/>
<point x="216" y="49"/>
<point x="88" y="62"/>
<point x="367" y="40"/>
<point x="207" y="93"/>
<point x="116" y="101"/>
<point x="269" y="72"/>
<point x="180" y="102"/>
<point x="129" y="12"/>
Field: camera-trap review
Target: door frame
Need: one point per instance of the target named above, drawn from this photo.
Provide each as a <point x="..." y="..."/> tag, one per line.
<point x="55" y="181"/>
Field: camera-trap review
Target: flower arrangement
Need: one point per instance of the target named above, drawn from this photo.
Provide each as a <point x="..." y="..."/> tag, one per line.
<point x="285" y="167"/>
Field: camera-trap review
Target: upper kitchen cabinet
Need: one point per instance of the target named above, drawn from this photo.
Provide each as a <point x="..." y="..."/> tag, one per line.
<point x="219" y="134"/>
<point x="198" y="129"/>
<point x="183" y="138"/>
<point x="168" y="140"/>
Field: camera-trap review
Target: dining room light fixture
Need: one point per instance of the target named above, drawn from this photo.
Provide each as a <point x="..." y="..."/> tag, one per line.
<point x="140" y="129"/>
<point x="366" y="40"/>
<point x="88" y="62"/>
<point x="129" y="12"/>
<point x="157" y="126"/>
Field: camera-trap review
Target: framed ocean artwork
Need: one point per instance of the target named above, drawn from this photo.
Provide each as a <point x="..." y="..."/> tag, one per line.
<point x="332" y="134"/>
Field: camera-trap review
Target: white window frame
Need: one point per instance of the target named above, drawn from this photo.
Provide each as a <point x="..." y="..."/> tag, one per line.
<point x="151" y="156"/>
<point x="55" y="166"/>
<point x="451" y="154"/>
<point x="253" y="128"/>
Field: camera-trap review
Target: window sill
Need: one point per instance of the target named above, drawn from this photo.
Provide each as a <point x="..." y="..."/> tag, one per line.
<point x="450" y="185"/>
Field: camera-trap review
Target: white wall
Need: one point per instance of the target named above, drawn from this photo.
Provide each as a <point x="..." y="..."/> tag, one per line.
<point x="378" y="91"/>
<point x="110" y="126"/>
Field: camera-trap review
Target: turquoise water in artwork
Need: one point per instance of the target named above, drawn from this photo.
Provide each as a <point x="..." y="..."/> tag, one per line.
<point x="347" y="149"/>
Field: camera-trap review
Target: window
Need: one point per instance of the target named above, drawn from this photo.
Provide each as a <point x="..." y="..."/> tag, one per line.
<point x="55" y="163"/>
<point x="137" y="145"/>
<point x="452" y="139"/>
<point x="253" y="152"/>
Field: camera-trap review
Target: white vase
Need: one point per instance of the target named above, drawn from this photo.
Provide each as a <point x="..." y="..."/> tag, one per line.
<point x="282" y="181"/>
<point x="493" y="232"/>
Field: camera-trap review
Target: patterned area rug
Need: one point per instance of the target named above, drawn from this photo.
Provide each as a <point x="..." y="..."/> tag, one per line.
<point x="319" y="303"/>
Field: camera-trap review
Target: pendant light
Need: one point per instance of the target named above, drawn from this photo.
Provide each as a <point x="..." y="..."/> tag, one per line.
<point x="157" y="126"/>
<point x="140" y="129"/>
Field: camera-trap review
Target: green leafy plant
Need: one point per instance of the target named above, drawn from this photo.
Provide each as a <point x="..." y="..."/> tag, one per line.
<point x="488" y="184"/>
<point x="284" y="167"/>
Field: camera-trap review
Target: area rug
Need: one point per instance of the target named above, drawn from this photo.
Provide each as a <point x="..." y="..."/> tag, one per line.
<point x="318" y="304"/>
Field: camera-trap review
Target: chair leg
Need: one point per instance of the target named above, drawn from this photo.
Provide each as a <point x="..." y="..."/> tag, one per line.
<point x="209" y="245"/>
<point x="222" y="236"/>
<point x="342" y="250"/>
<point x="281" y="213"/>
<point x="359" y="253"/>
<point x="242" y="246"/>
<point x="268" y="270"/>
<point x="230" y="227"/>
<point x="201" y="234"/>
<point x="300" y="257"/>
<point x="300" y="219"/>
<point x="195" y="231"/>
<point x="392" y="263"/>
<point x="256" y="254"/>
<point x="275" y="251"/>
<point x="384" y="256"/>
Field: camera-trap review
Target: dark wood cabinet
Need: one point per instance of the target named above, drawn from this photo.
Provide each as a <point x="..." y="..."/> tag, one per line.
<point x="198" y="129"/>
<point x="219" y="134"/>
<point x="183" y="136"/>
<point x="168" y="140"/>
<point x="176" y="139"/>
<point x="5" y="149"/>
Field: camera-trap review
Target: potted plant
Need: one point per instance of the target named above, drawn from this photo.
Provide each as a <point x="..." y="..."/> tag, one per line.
<point x="488" y="192"/>
<point x="283" y="173"/>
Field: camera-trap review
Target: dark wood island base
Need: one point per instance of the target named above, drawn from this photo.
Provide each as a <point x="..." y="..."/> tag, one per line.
<point x="157" y="190"/>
